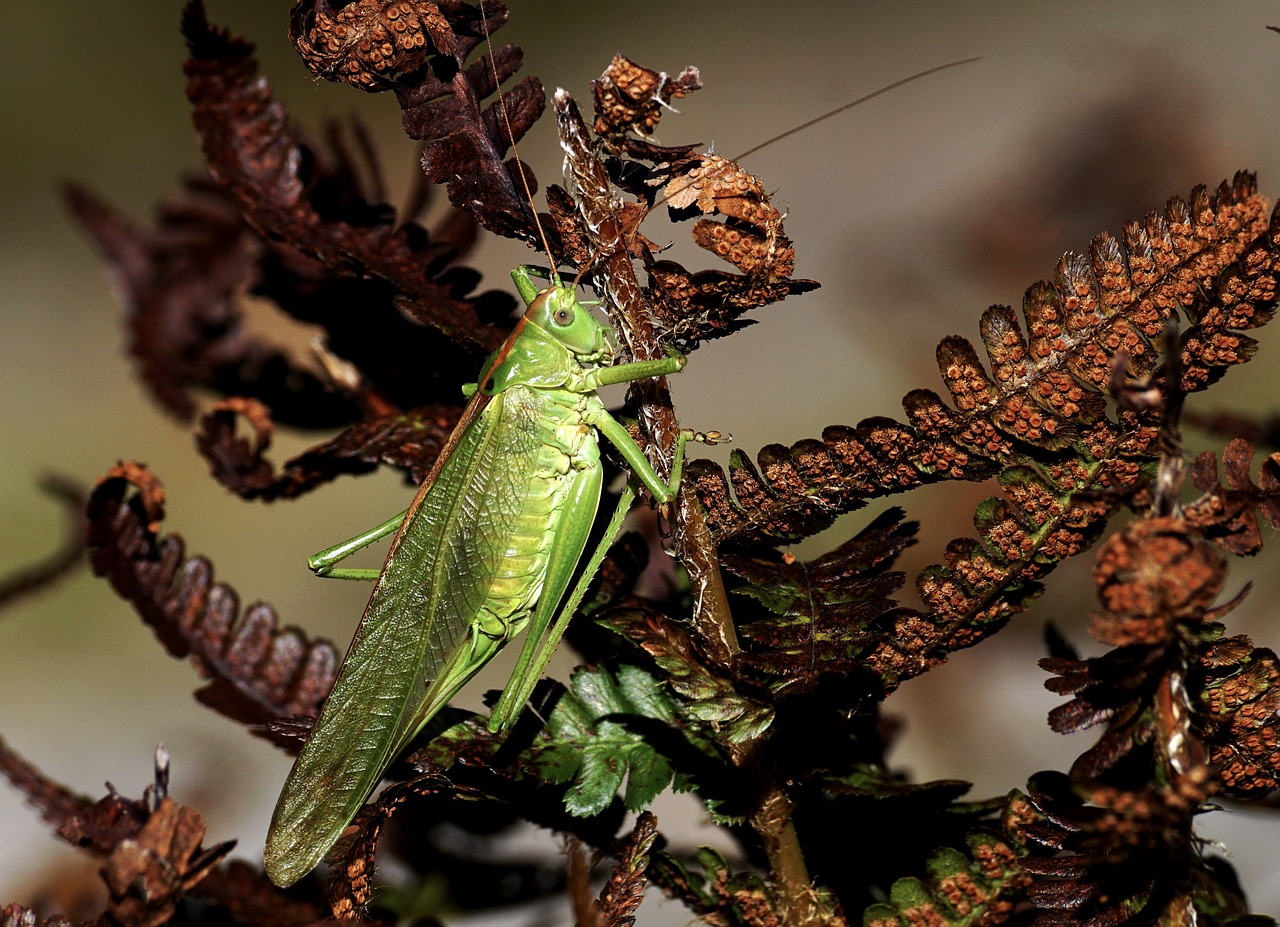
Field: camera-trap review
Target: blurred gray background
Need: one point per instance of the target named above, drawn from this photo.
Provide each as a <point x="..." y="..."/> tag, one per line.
<point x="915" y="211"/>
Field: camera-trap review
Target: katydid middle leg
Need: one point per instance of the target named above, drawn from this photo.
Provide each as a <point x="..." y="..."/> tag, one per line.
<point x="323" y="563"/>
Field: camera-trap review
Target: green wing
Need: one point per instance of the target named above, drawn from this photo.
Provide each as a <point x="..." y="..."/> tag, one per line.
<point x="414" y="647"/>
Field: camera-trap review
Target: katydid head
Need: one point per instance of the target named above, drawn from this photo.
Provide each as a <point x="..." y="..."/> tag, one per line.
<point x="557" y="311"/>
<point x="548" y="346"/>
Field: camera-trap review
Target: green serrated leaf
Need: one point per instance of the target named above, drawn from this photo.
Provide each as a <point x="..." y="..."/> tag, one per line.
<point x="569" y="720"/>
<point x="599" y="776"/>
<point x="648" y="774"/>
<point x="682" y="782"/>
<point x="598" y="693"/>
<point x="590" y="744"/>
<point x="643" y="694"/>
<point x="557" y="763"/>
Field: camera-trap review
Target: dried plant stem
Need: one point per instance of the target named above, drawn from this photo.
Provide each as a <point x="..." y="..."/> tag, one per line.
<point x="712" y="620"/>
<point x="617" y="275"/>
<point x="772" y="820"/>
<point x="1181" y="750"/>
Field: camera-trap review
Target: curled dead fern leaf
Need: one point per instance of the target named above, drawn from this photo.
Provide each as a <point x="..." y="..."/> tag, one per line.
<point x="682" y="308"/>
<point x="257" y="671"/>
<point x="1107" y="856"/>
<point x="1156" y="586"/>
<point x="630" y="100"/>
<point x="56" y="803"/>
<point x="1228" y="514"/>
<point x="410" y="441"/>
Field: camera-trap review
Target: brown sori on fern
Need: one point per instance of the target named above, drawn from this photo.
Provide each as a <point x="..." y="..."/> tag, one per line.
<point x="1037" y="420"/>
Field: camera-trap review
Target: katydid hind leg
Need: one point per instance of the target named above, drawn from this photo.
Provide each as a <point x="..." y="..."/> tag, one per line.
<point x="537" y="650"/>
<point x="538" y="646"/>
<point x="566" y="553"/>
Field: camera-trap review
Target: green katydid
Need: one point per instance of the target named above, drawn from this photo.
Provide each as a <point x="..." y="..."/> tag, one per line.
<point x="490" y="544"/>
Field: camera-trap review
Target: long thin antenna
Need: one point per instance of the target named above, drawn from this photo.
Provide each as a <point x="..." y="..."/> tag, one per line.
<point x="852" y="103"/>
<point x="835" y="112"/>
<point x="511" y="135"/>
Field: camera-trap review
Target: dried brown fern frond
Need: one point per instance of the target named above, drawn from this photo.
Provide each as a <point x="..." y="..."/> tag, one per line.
<point x="151" y="848"/>
<point x="420" y="49"/>
<point x="1186" y="714"/>
<point x="250" y="150"/>
<point x="1213" y="259"/>
<point x="1037" y="420"/>
<point x="676" y="306"/>
<point x="257" y="671"/>
<point x="623" y="891"/>
<point x="409" y="441"/>
<point x="781" y="735"/>
<point x="1110" y="856"/>
<point x="1228" y="514"/>
<point x="1156" y="588"/>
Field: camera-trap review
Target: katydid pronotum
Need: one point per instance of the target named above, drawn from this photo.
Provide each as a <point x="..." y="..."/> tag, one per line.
<point x="489" y="545"/>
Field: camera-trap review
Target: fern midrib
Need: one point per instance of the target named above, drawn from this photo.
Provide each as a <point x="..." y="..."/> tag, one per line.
<point x="1010" y="571"/>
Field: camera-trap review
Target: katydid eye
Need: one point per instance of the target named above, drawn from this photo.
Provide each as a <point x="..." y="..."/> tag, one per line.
<point x="563" y="316"/>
